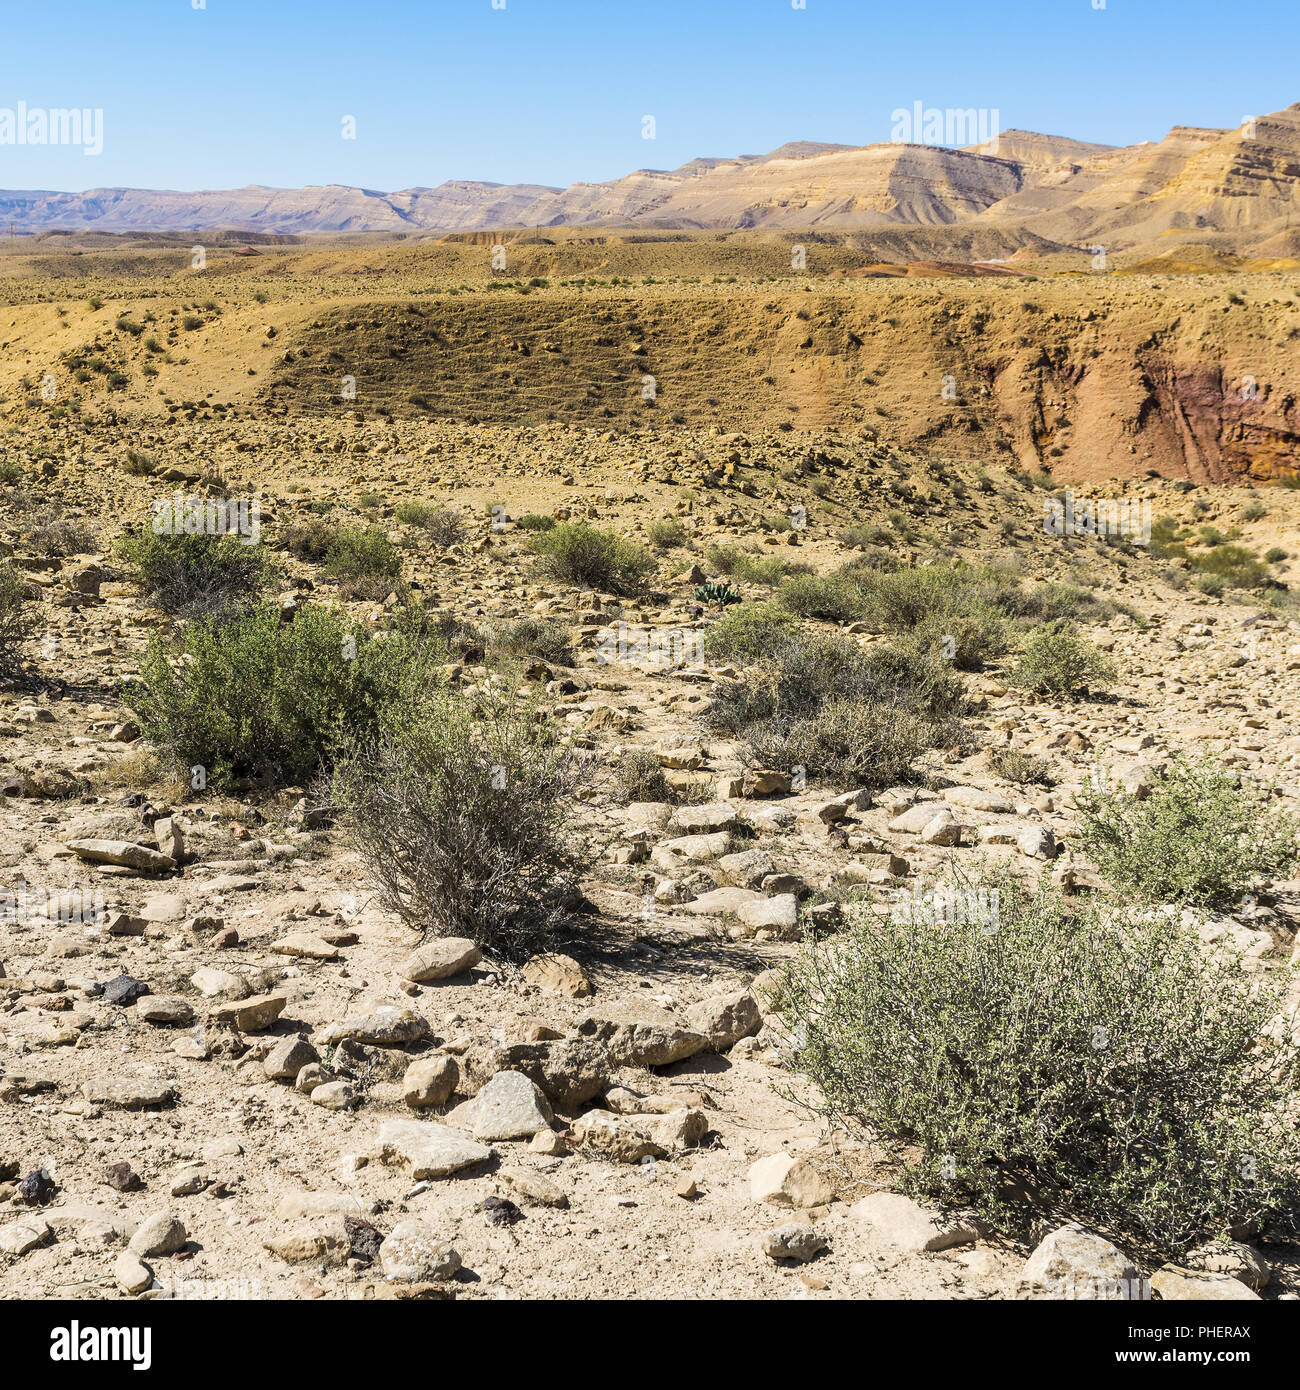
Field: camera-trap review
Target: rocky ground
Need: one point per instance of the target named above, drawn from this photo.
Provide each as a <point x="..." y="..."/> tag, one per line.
<point x="248" y="1079"/>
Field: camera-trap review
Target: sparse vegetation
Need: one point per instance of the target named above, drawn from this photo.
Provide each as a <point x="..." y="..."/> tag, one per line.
<point x="194" y="574"/>
<point x="364" y="558"/>
<point x="745" y="633"/>
<point x="1100" y="1060"/>
<point x="13" y="618"/>
<point x="1196" y="835"/>
<point x="1056" y="662"/>
<point x="535" y="637"/>
<point x="845" y="716"/>
<point x="457" y="807"/>
<point x="1015" y="765"/>
<point x="666" y="534"/>
<point x="580" y="554"/>
<point x="258" y="698"/>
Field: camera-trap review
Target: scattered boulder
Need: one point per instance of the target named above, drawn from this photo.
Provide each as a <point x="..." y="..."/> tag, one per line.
<point x="162" y="1234"/>
<point x="123" y="853"/>
<point x="557" y="974"/>
<point x="642" y="1037"/>
<point x="793" y="1241"/>
<point x="428" y="1149"/>
<point x="510" y="1106"/>
<point x="1175" y="1285"/>
<point x="440" y="959"/>
<point x="388" y="1026"/>
<point x="785" y="1180"/>
<point x="412" y="1253"/>
<point x="726" y="1018"/>
<point x="1073" y="1263"/>
<point x="906" y="1225"/>
<point x="429" y="1081"/>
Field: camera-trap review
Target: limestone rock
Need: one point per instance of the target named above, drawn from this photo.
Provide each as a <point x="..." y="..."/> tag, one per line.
<point x="287" y="1058"/>
<point x="22" y="1236"/>
<point x="128" y="1093"/>
<point x="899" y="1221"/>
<point x="132" y="1274"/>
<point x="429" y="1081"/>
<point x="162" y="1234"/>
<point x="726" y="1018"/>
<point x="428" y="1149"/>
<point x="793" y="1241"/>
<point x="1175" y="1284"/>
<point x="440" y="959"/>
<point x="124" y="853"/>
<point x="387" y="1026"/>
<point x="775" y="914"/>
<point x="510" y="1106"/>
<point x="557" y="974"/>
<point x="322" y="1241"/>
<point x="412" y="1253"/>
<point x="1072" y="1263"/>
<point x="784" y="1180"/>
<point x="642" y="1037"/>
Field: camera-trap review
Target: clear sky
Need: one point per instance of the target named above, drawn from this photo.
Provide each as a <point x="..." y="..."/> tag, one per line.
<point x="551" y="91"/>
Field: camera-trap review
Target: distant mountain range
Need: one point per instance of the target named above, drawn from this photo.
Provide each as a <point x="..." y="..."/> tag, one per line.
<point x="1244" y="182"/>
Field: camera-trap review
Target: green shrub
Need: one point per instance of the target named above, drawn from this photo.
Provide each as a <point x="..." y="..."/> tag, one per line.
<point x="1233" y="566"/>
<point x="13" y="618"/>
<point x="536" y="637"/>
<point x="10" y="473"/>
<point x="847" y="742"/>
<point x="309" y="540"/>
<point x="533" y="521"/>
<point x="414" y="513"/>
<point x="1007" y="1041"/>
<point x="833" y="597"/>
<point x="257" y="697"/>
<point x="768" y="570"/>
<point x="744" y="634"/>
<point x="666" y="534"/>
<point x="581" y="554"/>
<point x="1254" y="511"/>
<point x="1057" y="662"/>
<point x="457" y="808"/>
<point x="365" y="560"/>
<point x="193" y="574"/>
<point x="843" y="715"/>
<point x="944" y="600"/>
<point x="1197" y="837"/>
<point x="1274" y="555"/>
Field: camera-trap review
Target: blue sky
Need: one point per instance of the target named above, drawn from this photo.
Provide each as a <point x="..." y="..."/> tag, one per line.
<point x="550" y="91"/>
